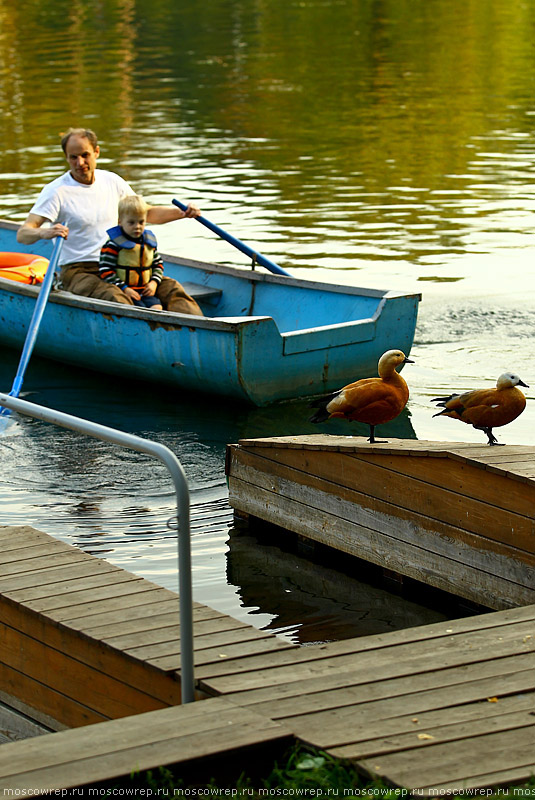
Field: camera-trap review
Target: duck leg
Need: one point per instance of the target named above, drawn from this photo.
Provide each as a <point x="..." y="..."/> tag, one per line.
<point x="372" y="439"/>
<point x="492" y="439"/>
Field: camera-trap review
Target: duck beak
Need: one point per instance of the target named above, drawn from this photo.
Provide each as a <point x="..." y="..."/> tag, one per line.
<point x="410" y="361"/>
<point x="521" y="383"/>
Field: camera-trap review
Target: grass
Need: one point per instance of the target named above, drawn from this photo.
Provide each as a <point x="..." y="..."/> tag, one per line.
<point x="302" y="774"/>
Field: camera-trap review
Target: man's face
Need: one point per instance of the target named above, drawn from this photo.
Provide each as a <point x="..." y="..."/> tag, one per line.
<point x="82" y="158"/>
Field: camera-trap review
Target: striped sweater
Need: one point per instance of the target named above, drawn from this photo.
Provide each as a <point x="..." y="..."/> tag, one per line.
<point x="130" y="262"/>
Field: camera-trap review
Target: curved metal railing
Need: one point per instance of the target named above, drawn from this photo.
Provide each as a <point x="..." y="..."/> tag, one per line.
<point x="174" y="466"/>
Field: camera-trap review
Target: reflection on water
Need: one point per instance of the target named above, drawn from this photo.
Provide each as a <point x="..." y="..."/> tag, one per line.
<point x="386" y="144"/>
<point x="115" y="503"/>
<point x="313" y="601"/>
<point x="334" y="135"/>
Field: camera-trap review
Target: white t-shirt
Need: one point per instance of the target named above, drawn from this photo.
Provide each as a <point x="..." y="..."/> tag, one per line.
<point x="87" y="210"/>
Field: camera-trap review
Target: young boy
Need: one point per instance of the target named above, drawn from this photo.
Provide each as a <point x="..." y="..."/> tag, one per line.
<point x="130" y="259"/>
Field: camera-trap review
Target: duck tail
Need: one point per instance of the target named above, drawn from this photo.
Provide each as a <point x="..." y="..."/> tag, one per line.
<point x="321" y="403"/>
<point x="441" y="401"/>
<point x="449" y="404"/>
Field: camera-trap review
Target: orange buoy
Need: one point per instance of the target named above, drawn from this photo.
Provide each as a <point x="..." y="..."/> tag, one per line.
<point x="23" y="267"/>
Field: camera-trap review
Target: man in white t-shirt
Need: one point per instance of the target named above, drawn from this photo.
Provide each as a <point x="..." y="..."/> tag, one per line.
<point x="80" y="206"/>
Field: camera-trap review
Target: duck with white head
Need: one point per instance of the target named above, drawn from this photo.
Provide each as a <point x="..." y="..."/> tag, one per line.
<point x="486" y="409"/>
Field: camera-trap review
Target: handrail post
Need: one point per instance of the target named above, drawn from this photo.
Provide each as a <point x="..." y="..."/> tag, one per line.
<point x="178" y="476"/>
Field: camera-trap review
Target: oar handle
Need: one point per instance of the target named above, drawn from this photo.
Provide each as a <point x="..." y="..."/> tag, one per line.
<point x="35" y="321"/>
<point x="257" y="257"/>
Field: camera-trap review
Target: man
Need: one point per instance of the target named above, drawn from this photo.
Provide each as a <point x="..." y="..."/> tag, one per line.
<point x="80" y="206"/>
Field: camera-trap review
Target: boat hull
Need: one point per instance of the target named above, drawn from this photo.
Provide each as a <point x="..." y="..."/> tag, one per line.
<point x="244" y="356"/>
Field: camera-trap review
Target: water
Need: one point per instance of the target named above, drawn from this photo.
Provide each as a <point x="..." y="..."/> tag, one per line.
<point x="384" y="144"/>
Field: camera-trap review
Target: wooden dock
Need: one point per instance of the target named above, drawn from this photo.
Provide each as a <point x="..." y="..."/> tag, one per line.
<point x="459" y="517"/>
<point x="448" y="705"/>
<point x="83" y="641"/>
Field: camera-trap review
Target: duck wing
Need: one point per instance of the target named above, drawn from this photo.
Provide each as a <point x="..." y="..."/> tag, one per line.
<point x="493" y="407"/>
<point x="372" y="401"/>
<point x="321" y="403"/>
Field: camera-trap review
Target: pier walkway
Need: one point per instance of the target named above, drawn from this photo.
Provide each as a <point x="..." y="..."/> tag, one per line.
<point x="459" y="517"/>
<point x="92" y="651"/>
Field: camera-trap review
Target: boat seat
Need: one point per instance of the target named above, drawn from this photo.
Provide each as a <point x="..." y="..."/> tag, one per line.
<point x="201" y="293"/>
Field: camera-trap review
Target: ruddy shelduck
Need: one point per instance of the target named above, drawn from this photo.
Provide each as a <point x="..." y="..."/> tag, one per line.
<point x="486" y="409"/>
<point x="372" y="401"/>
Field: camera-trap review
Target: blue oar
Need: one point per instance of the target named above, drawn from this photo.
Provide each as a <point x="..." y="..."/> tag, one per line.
<point x="257" y="258"/>
<point x="35" y="321"/>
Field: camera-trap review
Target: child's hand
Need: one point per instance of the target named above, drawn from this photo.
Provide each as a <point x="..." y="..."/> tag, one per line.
<point x="150" y="289"/>
<point x="129" y="292"/>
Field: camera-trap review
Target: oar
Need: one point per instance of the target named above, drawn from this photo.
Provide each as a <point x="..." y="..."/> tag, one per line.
<point x="257" y="257"/>
<point x="35" y="322"/>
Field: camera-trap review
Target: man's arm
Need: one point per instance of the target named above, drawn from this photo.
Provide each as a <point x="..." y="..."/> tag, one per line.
<point x="157" y="215"/>
<point x="31" y="230"/>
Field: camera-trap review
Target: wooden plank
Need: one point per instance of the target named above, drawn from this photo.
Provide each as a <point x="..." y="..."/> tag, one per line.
<point x="105" y="694"/>
<point x="56" y="591"/>
<point x="347" y="688"/>
<point x="27" y="554"/>
<point x="21" y="534"/>
<point x="412" y="495"/>
<point x="73" y="600"/>
<point x="389" y="716"/>
<point x="390" y="551"/>
<point x="506" y="453"/>
<point x="45" y="577"/>
<point x="77" y="614"/>
<point x="171" y="632"/>
<point x="202" y="293"/>
<point x="462" y="479"/>
<point x="526" y="471"/>
<point x="466" y="451"/>
<point x="378" y="664"/>
<point x="344" y="688"/>
<point x="32" y="566"/>
<point x="491" y="625"/>
<point x="353" y="505"/>
<point x="138" y="623"/>
<point x="63" y="710"/>
<point x="15" y="726"/>
<point x="482" y="452"/>
<point x="356" y="444"/>
<point x="146" y="741"/>
<point x="451" y="725"/>
<point x="115" y="619"/>
<point x="441" y="764"/>
<point x="508" y="777"/>
<point x="234" y="652"/>
<point x="94" y="654"/>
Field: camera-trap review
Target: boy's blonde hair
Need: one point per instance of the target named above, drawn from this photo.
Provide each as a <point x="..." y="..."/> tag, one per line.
<point x="132" y="204"/>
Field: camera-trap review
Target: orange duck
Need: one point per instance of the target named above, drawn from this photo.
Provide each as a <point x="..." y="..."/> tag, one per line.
<point x="373" y="401"/>
<point x="486" y="409"/>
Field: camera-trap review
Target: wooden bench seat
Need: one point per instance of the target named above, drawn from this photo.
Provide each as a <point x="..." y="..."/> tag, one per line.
<point x="201" y="293"/>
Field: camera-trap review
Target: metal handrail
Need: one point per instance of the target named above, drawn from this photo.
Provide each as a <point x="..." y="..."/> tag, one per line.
<point x="174" y="466"/>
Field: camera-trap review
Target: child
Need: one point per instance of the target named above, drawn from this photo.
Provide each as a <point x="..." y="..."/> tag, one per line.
<point x="130" y="259"/>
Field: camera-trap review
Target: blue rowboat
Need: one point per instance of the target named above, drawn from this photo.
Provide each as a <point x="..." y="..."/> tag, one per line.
<point x="264" y="338"/>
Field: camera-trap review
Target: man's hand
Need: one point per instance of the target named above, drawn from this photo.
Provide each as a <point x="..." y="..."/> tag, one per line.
<point x="55" y="230"/>
<point x="192" y="211"/>
<point x="34" y="228"/>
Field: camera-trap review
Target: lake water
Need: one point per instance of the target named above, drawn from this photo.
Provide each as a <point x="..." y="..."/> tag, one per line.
<point x="382" y="144"/>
